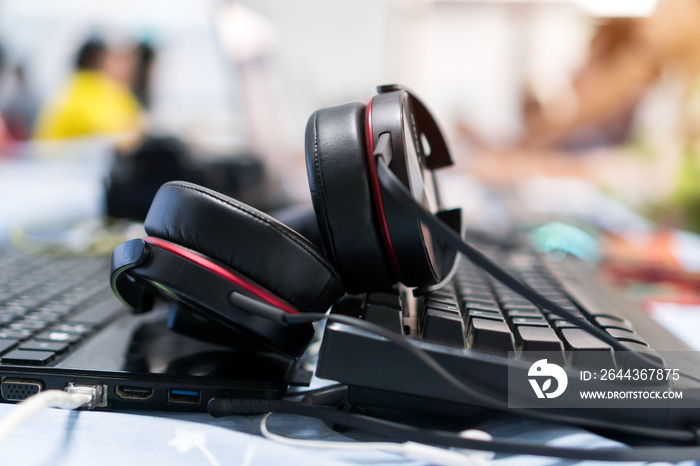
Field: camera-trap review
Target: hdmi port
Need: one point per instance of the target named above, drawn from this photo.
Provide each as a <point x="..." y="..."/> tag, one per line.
<point x="127" y="392"/>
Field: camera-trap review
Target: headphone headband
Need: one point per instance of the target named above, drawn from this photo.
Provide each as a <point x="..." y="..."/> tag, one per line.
<point x="427" y="125"/>
<point x="142" y="267"/>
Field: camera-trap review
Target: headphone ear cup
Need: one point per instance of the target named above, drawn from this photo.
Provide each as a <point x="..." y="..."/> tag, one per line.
<point x="257" y="246"/>
<point x="337" y="168"/>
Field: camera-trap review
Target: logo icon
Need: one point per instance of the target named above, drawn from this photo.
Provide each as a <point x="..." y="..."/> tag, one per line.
<point x="543" y="369"/>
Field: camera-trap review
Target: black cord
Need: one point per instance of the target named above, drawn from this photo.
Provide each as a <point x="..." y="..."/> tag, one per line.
<point x="219" y="407"/>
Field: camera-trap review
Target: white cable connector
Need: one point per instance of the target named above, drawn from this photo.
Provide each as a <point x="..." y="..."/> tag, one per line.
<point x="417" y="451"/>
<point x="37" y="403"/>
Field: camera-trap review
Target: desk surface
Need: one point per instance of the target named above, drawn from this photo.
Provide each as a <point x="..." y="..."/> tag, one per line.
<point x="62" y="438"/>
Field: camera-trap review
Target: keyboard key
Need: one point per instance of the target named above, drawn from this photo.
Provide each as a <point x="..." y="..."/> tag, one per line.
<point x="569" y="306"/>
<point x="563" y="324"/>
<point x="585" y="350"/>
<point x="443" y="327"/>
<point x="505" y="292"/>
<point x="538" y="339"/>
<point x="608" y="322"/>
<point x="579" y="339"/>
<point x="649" y="353"/>
<point x="58" y="336"/>
<point x="15" y="334"/>
<point x="443" y="306"/>
<point x="490" y="335"/>
<point x="525" y="313"/>
<point x="384" y="299"/>
<point x="46" y="316"/>
<point x="530" y="322"/>
<point x="14" y="311"/>
<point x="28" y="358"/>
<point x="388" y="317"/>
<point x="6" y="318"/>
<point x="555" y="318"/>
<point x="29" y="325"/>
<point x="611" y="317"/>
<point x="72" y="327"/>
<point x="35" y="345"/>
<point x="625" y="335"/>
<point x="444" y="297"/>
<point x="493" y="315"/>
<point x="475" y="306"/>
<point x="58" y="307"/>
<point x="472" y="300"/>
<point x="476" y="291"/>
<point x="512" y="302"/>
<point x="7" y="344"/>
<point x="520" y="307"/>
<point x="559" y="299"/>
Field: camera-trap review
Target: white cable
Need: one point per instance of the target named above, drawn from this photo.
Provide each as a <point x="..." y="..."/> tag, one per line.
<point x="417" y="451"/>
<point x="35" y="403"/>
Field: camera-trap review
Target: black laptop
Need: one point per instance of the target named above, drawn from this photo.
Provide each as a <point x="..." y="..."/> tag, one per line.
<point x="60" y="324"/>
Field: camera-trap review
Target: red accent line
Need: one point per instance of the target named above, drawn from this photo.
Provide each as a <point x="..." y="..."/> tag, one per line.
<point x="222" y="272"/>
<point x="374" y="181"/>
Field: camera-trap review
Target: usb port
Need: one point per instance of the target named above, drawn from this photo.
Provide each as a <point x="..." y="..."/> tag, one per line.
<point x="181" y="396"/>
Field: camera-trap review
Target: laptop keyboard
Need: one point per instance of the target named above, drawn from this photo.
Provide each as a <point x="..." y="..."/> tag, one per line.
<point x="49" y="305"/>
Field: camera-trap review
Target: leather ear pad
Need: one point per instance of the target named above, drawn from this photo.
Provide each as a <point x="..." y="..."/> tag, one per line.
<point x="337" y="168"/>
<point x="301" y="219"/>
<point x="247" y="240"/>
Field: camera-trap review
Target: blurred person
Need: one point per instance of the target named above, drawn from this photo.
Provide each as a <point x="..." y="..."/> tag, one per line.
<point x="20" y="108"/>
<point x="96" y="99"/>
<point x="143" y="69"/>
<point x="675" y="37"/>
<point x="598" y="108"/>
<point x="4" y="136"/>
<point x="628" y="58"/>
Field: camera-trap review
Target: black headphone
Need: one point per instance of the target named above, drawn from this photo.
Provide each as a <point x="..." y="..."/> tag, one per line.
<point x="203" y="247"/>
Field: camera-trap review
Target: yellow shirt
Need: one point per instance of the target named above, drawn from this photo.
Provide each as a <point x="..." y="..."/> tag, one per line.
<point x="90" y="103"/>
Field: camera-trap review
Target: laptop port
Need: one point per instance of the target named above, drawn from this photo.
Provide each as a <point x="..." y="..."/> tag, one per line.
<point x="20" y="389"/>
<point x="128" y="392"/>
<point x="97" y="394"/>
<point x="184" y="396"/>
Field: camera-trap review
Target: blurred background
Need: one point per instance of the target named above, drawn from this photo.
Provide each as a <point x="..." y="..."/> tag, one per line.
<point x="586" y="111"/>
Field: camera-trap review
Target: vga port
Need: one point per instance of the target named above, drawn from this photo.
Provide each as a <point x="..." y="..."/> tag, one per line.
<point x="20" y="389"/>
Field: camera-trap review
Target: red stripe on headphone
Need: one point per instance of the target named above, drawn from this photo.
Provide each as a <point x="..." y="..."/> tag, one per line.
<point x="222" y="272"/>
<point x="374" y="181"/>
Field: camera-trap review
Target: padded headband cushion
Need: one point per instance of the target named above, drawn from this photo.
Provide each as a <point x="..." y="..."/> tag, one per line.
<point x="336" y="165"/>
<point x="247" y="240"/>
